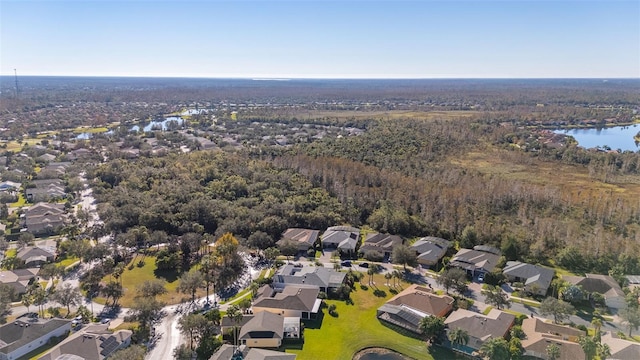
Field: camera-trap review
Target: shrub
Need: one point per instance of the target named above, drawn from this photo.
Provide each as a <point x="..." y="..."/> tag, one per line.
<point x="311" y="253"/>
<point x="373" y="255"/>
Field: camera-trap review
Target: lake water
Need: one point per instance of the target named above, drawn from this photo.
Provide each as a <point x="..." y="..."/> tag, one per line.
<point x="374" y="356"/>
<point x="158" y="125"/>
<point x="617" y="137"/>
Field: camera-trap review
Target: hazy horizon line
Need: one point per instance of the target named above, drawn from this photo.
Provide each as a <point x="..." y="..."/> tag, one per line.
<point x="286" y="78"/>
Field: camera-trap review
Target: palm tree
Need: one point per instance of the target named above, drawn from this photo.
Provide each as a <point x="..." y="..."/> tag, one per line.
<point x="235" y="315"/>
<point x="397" y="275"/>
<point x="458" y="337"/>
<point x="589" y="346"/>
<point x="371" y="271"/>
<point x="597" y="324"/>
<point x="388" y="276"/>
<point x="553" y="351"/>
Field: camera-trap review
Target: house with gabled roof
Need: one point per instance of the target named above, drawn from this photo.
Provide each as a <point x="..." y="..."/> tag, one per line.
<point x="19" y="279"/>
<point x="323" y="278"/>
<point x="540" y="334"/>
<point x="407" y="308"/>
<point x="19" y="337"/>
<point x="620" y="349"/>
<point x="430" y="250"/>
<point x="229" y="352"/>
<point x="268" y="330"/>
<point x="44" y="218"/>
<point x="95" y="342"/>
<point x="35" y="256"/>
<point x="382" y="243"/>
<point x="603" y="284"/>
<point x="536" y="278"/>
<point x="305" y="238"/>
<point x="341" y="237"/>
<point x="292" y="301"/>
<point x="482" y="259"/>
<point x="479" y="327"/>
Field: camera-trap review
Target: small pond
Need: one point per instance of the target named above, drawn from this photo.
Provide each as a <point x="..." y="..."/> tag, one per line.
<point x="616" y="137"/>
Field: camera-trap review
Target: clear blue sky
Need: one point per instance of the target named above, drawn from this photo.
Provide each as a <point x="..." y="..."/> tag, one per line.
<point x="335" y="39"/>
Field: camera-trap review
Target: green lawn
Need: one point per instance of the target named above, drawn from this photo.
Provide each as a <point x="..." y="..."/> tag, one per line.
<point x="132" y="278"/>
<point x="21" y="201"/>
<point x="68" y="261"/>
<point x="356" y="327"/>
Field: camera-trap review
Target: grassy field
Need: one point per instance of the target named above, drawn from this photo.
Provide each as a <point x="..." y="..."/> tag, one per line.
<point x="90" y="130"/>
<point x="132" y="278"/>
<point x="356" y="327"/>
<point x="572" y="178"/>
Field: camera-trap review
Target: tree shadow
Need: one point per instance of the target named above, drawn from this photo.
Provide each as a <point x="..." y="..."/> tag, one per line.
<point x="379" y="293"/>
<point x="168" y="275"/>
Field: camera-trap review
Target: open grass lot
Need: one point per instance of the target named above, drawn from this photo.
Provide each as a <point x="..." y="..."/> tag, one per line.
<point x="356" y="327"/>
<point x="90" y="130"/>
<point x="571" y="178"/>
<point x="138" y="274"/>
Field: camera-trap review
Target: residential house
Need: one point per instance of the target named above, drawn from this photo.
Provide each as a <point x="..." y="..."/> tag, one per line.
<point x="305" y="238"/>
<point x="293" y="301"/>
<point x="20" y="337"/>
<point x="227" y="352"/>
<point x="45" y="189"/>
<point x="407" y="308"/>
<point x="323" y="278"/>
<point x="94" y="343"/>
<point x="9" y="186"/>
<point x="540" y="334"/>
<point x="430" y="250"/>
<point x="382" y="243"/>
<point x="19" y="279"/>
<point x="34" y="256"/>
<point x="536" y="279"/>
<point x="480" y="328"/>
<point x="268" y="330"/>
<point x="46" y="157"/>
<point x="341" y="237"/>
<point x="480" y="260"/>
<point x="621" y="349"/>
<point x="603" y="284"/>
<point x="44" y="218"/>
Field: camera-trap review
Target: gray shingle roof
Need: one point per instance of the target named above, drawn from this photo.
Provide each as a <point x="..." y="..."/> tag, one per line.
<point x="19" y="333"/>
<point x="292" y="297"/>
<point x="309" y="275"/>
<point x="263" y="325"/>
<point x="534" y="274"/>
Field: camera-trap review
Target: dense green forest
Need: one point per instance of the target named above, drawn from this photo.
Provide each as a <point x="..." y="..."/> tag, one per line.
<point x="401" y="176"/>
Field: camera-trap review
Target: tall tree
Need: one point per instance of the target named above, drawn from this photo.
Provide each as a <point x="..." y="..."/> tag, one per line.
<point x="559" y="309"/>
<point x="589" y="346"/>
<point x="235" y="315"/>
<point x="405" y="255"/>
<point x="452" y="278"/>
<point x="288" y="248"/>
<point x="431" y="327"/>
<point x="495" y="349"/>
<point x="193" y="326"/>
<point x="152" y="288"/>
<point x="458" y="337"/>
<point x="113" y="290"/>
<point x="496" y="297"/>
<point x="67" y="295"/>
<point x="190" y="283"/>
<point x="631" y="317"/>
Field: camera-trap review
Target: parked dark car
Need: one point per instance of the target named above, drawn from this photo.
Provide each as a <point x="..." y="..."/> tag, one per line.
<point x="364" y="265"/>
<point x="346" y="263"/>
